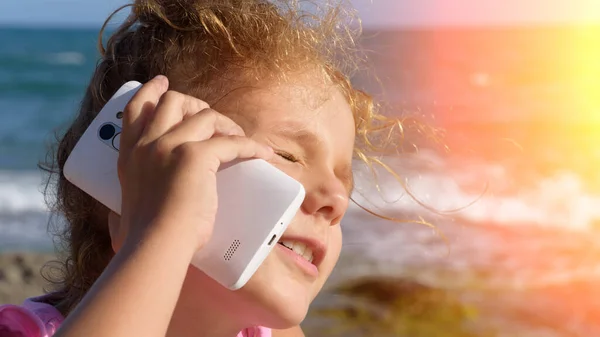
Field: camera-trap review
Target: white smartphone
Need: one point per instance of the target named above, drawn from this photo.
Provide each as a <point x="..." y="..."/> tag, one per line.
<point x="256" y="200"/>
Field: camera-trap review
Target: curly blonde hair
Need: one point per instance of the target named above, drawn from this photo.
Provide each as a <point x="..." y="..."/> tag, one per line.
<point x="203" y="46"/>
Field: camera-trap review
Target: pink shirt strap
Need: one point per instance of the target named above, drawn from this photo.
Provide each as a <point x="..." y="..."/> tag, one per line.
<point x="37" y="319"/>
<point x="258" y="331"/>
<point x="32" y="319"/>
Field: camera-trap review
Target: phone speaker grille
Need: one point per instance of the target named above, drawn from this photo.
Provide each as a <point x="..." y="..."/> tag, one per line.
<point x="229" y="253"/>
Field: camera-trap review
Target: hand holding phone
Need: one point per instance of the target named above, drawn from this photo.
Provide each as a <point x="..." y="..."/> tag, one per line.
<point x="169" y="158"/>
<point x="171" y="149"/>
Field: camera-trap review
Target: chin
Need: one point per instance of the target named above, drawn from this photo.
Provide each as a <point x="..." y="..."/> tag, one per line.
<point x="276" y="296"/>
<point x="280" y="294"/>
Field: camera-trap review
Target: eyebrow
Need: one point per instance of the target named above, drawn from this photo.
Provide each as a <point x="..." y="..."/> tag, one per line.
<point x="298" y="133"/>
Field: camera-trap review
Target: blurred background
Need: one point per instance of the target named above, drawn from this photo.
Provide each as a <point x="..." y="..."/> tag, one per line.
<point x="507" y="174"/>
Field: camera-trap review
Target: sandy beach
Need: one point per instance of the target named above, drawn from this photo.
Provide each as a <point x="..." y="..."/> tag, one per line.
<point x="386" y="305"/>
<point x="21" y="277"/>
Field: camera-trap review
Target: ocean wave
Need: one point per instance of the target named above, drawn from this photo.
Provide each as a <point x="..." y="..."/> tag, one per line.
<point x="560" y="200"/>
<point x="65" y="58"/>
<point x="25" y="230"/>
<point x="24" y="216"/>
<point x="22" y="61"/>
<point x="21" y="191"/>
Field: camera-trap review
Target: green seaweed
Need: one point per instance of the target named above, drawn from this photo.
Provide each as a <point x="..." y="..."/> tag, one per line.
<point x="398" y="307"/>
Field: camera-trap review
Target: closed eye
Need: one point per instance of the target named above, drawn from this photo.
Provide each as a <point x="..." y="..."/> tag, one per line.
<point x="287" y="156"/>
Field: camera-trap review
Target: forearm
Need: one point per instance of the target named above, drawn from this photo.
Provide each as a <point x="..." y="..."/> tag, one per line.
<point x="137" y="292"/>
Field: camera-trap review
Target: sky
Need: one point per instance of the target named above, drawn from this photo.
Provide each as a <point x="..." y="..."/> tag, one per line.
<point x="375" y="13"/>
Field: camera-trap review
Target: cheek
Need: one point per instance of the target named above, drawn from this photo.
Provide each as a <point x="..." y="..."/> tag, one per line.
<point x="334" y="249"/>
<point x="335" y="245"/>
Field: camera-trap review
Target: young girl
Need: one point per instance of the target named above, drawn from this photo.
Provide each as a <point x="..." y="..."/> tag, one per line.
<point x="223" y="80"/>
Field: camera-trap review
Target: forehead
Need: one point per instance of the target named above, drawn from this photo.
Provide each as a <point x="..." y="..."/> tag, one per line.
<point x="300" y="108"/>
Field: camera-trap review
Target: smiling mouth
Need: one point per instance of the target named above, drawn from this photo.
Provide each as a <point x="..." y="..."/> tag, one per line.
<point x="299" y="248"/>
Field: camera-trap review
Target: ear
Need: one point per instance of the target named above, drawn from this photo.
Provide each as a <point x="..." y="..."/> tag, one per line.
<point x="115" y="231"/>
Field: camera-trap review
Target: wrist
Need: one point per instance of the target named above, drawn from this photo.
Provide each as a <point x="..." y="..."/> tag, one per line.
<point x="163" y="237"/>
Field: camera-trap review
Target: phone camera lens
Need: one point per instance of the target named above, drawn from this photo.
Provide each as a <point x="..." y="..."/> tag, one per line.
<point x="107" y="131"/>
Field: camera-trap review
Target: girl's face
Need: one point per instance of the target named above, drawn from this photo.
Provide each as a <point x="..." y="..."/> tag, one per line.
<point x="311" y="128"/>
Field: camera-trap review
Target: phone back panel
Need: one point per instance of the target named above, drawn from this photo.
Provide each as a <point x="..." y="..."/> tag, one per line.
<point x="92" y="165"/>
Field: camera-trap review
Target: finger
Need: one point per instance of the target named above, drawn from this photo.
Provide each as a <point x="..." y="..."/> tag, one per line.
<point x="172" y="108"/>
<point x="141" y="105"/>
<point x="226" y="149"/>
<point x="202" y="126"/>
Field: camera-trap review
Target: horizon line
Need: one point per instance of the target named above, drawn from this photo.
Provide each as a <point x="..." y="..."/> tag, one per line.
<point x="407" y="27"/>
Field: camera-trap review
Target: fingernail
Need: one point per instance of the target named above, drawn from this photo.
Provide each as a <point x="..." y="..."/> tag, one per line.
<point x="163" y="80"/>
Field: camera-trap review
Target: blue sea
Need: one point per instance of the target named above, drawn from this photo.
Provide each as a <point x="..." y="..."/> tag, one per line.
<point x="513" y="179"/>
<point x="43" y="74"/>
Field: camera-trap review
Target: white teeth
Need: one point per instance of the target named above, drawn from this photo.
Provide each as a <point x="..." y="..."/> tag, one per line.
<point x="308" y="254"/>
<point x="299" y="248"/>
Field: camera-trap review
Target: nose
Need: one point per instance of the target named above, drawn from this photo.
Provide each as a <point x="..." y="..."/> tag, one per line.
<point x="326" y="197"/>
